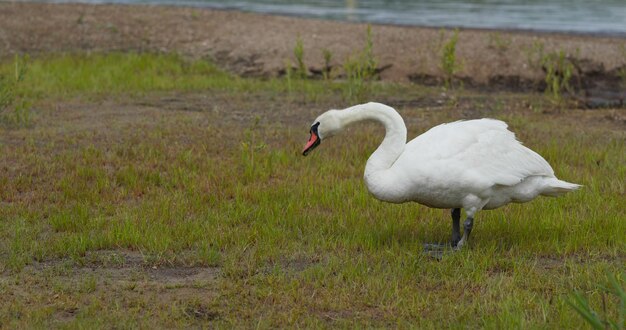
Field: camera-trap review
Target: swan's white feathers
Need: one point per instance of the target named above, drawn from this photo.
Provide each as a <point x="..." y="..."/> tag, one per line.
<point x="481" y="152"/>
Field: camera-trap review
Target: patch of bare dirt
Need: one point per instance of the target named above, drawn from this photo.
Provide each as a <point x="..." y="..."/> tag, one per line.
<point x="183" y="275"/>
<point x="69" y="289"/>
<point x="120" y="265"/>
<point x="200" y="312"/>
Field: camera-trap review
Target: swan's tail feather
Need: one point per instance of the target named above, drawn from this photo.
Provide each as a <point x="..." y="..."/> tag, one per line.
<point x="556" y="187"/>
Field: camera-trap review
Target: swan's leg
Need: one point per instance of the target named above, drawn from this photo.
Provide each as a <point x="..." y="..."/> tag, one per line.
<point x="474" y="204"/>
<point x="456" y="226"/>
<point x="467" y="229"/>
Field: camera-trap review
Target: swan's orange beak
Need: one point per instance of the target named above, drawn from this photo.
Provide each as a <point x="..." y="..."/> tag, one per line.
<point x="314" y="140"/>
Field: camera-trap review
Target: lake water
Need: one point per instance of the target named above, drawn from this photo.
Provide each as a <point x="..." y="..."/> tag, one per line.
<point x="577" y="16"/>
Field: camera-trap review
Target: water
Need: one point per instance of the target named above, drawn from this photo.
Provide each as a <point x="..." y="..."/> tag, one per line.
<point x="574" y="16"/>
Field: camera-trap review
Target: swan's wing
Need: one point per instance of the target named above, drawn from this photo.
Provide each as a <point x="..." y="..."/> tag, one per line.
<point x="483" y="153"/>
<point x="497" y="158"/>
<point x="448" y="140"/>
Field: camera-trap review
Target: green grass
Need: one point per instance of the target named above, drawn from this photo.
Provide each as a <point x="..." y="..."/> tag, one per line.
<point x="14" y="108"/>
<point x="106" y="204"/>
<point x="73" y="74"/>
<point x="96" y="76"/>
<point x="594" y="318"/>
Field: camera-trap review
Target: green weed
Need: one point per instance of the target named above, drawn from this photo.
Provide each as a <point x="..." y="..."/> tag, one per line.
<point x="593" y="318"/>
<point x="360" y="70"/>
<point x="298" y="52"/>
<point x="558" y="73"/>
<point x="557" y="67"/>
<point x="449" y="63"/>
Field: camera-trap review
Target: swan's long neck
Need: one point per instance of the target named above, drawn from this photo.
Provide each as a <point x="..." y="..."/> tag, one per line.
<point x="392" y="146"/>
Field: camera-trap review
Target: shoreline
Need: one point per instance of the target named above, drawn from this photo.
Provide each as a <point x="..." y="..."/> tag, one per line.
<point x="254" y="44"/>
<point x="208" y="6"/>
<point x="539" y="32"/>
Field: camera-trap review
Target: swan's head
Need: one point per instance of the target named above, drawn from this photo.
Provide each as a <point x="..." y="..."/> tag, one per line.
<point x="325" y="126"/>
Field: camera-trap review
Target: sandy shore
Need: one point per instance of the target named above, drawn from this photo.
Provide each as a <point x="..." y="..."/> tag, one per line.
<point x="260" y="45"/>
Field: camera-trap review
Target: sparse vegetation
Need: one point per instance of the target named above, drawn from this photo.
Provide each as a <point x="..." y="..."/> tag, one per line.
<point x="449" y="63"/>
<point x="610" y="319"/>
<point x="499" y="42"/>
<point x="558" y="70"/>
<point x="153" y="191"/>
<point x="535" y="54"/>
<point x="557" y="67"/>
<point x="360" y="70"/>
<point x="327" y="71"/>
<point x="298" y="52"/>
<point x="251" y="146"/>
<point x="14" y="106"/>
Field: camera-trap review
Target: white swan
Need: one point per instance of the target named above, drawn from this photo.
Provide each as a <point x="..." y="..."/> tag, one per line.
<point x="474" y="164"/>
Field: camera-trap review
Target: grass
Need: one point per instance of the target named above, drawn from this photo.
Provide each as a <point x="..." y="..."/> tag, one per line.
<point x="69" y="75"/>
<point x="14" y="107"/>
<point x="154" y="191"/>
<point x="581" y="305"/>
<point x="97" y="76"/>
